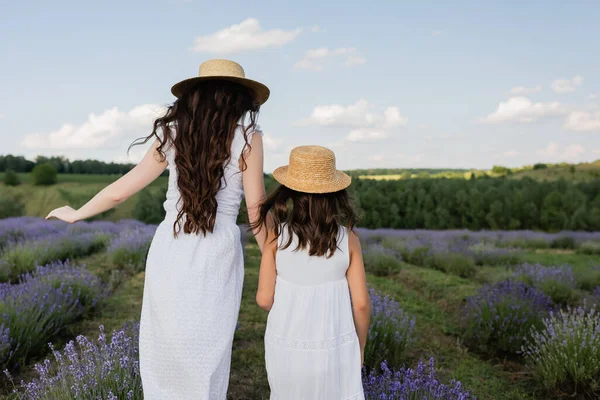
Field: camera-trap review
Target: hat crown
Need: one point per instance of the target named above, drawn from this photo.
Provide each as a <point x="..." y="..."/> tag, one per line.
<point x="312" y="162"/>
<point x="219" y="67"/>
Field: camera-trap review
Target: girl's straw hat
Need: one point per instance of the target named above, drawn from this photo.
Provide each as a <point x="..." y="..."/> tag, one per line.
<point x="312" y="170"/>
<point x="223" y="70"/>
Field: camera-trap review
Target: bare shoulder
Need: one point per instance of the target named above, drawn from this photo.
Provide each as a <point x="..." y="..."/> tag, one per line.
<point x="353" y="242"/>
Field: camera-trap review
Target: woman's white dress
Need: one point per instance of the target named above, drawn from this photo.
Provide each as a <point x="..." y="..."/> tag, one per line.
<point x="311" y="346"/>
<point x="192" y="295"/>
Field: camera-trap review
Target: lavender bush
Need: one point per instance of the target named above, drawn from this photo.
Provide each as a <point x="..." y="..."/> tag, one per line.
<point x="23" y="257"/>
<point x="590" y="248"/>
<point x="565" y="353"/>
<point x="381" y="261"/>
<point x="130" y="248"/>
<point x="390" y="333"/>
<point x="557" y="282"/>
<point x="5" y="344"/>
<point x="89" y="370"/>
<point x="500" y="317"/>
<point x="38" y="308"/>
<point x="408" y="384"/>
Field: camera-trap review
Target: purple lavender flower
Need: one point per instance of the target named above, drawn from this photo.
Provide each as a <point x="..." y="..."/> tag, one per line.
<point x="39" y="307"/>
<point x="411" y="384"/>
<point x="564" y="354"/>
<point x="22" y="257"/>
<point x="390" y="333"/>
<point x="89" y="370"/>
<point x="130" y="248"/>
<point x="537" y="273"/>
<point x="557" y="282"/>
<point x="500" y="316"/>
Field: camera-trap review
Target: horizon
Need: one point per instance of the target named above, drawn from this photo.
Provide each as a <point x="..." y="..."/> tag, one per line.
<point x="386" y="86"/>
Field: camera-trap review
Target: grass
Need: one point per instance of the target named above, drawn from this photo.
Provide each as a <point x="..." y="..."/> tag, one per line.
<point x="39" y="200"/>
<point x="433" y="296"/>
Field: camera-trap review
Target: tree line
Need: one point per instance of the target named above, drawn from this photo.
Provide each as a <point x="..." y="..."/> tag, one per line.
<point x="478" y="204"/>
<point x="63" y="165"/>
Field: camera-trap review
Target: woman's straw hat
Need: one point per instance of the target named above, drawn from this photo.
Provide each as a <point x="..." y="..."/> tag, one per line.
<point x="312" y="170"/>
<point x="223" y="70"/>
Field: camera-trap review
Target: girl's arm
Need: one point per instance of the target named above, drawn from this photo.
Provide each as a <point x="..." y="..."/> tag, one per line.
<point x="254" y="185"/>
<point x="267" y="275"/>
<point x="357" y="280"/>
<point x="117" y="192"/>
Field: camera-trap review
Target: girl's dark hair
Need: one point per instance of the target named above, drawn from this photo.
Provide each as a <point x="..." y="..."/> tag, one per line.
<point x="200" y="126"/>
<point x="314" y="218"/>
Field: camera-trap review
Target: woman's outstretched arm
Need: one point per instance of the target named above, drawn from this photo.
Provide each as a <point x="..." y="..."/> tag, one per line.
<point x="254" y="186"/>
<point x="117" y="192"/>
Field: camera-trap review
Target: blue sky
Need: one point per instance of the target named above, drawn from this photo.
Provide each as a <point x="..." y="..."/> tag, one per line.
<point x="385" y="84"/>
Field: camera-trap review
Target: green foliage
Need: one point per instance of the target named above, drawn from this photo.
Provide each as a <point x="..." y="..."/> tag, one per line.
<point x="452" y="263"/>
<point x="11" y="206"/>
<point x="560" y="292"/>
<point x="564" y="354"/>
<point x="564" y="243"/>
<point x="590" y="248"/>
<point x="381" y="264"/>
<point x="540" y="166"/>
<point x="11" y="178"/>
<point x="588" y="279"/>
<point x="479" y="204"/>
<point x="149" y="207"/>
<point x="500" y="170"/>
<point x="44" y="174"/>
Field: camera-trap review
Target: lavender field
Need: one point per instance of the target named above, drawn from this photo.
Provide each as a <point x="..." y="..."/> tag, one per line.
<point x="456" y="314"/>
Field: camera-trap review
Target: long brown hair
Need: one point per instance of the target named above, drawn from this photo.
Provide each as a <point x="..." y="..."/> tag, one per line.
<point x="200" y="126"/>
<point x="314" y="218"/>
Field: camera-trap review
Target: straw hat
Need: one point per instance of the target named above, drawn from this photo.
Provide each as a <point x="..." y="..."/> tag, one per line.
<point x="223" y="70"/>
<point x="312" y="170"/>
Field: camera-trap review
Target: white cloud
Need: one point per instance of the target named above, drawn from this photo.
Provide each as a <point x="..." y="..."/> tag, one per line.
<point x="358" y="115"/>
<point x="436" y="33"/>
<point x="245" y="36"/>
<point x="511" y="154"/>
<point x="366" y="135"/>
<point x="2" y="116"/>
<point x="100" y="130"/>
<point x="316" y="29"/>
<point x="583" y="121"/>
<point x="317" y="59"/>
<point x="593" y="96"/>
<point x="521" y="90"/>
<point x="567" y="85"/>
<point x="555" y="152"/>
<point x="522" y="109"/>
<point x="367" y="124"/>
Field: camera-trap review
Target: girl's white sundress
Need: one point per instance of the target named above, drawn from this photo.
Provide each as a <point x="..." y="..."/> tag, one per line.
<point x="311" y="346"/>
<point x="192" y="295"/>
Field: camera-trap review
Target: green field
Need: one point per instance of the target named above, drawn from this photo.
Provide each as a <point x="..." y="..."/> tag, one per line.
<point x="583" y="172"/>
<point x="433" y="297"/>
<point x="71" y="189"/>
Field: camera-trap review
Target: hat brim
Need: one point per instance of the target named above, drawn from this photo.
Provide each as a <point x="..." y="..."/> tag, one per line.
<point x="261" y="92"/>
<point x="339" y="182"/>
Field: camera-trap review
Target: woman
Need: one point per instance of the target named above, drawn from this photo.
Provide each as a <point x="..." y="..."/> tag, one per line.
<point x="194" y="273"/>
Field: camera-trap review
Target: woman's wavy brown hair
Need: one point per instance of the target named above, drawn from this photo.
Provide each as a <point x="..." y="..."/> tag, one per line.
<point x="200" y="126"/>
<point x="314" y="218"/>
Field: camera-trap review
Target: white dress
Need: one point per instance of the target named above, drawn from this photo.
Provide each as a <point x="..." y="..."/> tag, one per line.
<point x="192" y="294"/>
<point x="311" y="346"/>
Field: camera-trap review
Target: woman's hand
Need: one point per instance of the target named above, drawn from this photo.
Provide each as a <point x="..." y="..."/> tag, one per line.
<point x="66" y="213"/>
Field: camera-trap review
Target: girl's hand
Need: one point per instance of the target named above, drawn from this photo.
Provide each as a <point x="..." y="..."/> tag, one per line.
<point x="65" y="213"/>
<point x="362" y="357"/>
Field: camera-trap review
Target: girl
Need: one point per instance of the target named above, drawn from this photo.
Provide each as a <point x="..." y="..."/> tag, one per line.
<point x="194" y="272"/>
<point x="317" y="328"/>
